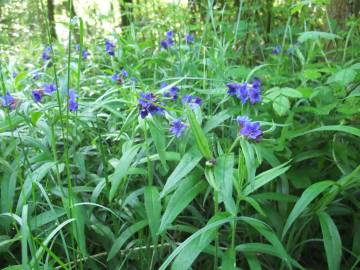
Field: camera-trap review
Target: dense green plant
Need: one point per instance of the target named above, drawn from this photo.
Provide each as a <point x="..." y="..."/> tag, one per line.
<point x="98" y="180"/>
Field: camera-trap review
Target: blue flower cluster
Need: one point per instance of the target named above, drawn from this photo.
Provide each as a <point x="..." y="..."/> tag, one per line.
<point x="246" y="91"/>
<point x="169" y="40"/>
<point x="48" y="89"/>
<point x="120" y="77"/>
<point x="249" y="129"/>
<point x="8" y="101"/>
<point x="177" y="127"/>
<point x="84" y="53"/>
<point x="172" y="93"/>
<point x="148" y="104"/>
<point x="46" y="53"/>
<point x="191" y="101"/>
<point x="109" y="47"/>
<point x="73" y="105"/>
<point x="276" y="50"/>
<point x="189" y="38"/>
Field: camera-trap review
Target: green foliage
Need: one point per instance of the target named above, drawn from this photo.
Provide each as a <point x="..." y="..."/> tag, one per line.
<point x="102" y="187"/>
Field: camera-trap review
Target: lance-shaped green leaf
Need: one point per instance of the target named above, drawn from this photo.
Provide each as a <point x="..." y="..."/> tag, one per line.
<point x="186" y="192"/>
<point x="153" y="209"/>
<point x="223" y="172"/>
<point x="158" y="136"/>
<point x="124" y="236"/>
<point x="199" y="135"/>
<point x="332" y="241"/>
<point x="185" y="166"/>
<point x="122" y="169"/>
<point x="306" y="198"/>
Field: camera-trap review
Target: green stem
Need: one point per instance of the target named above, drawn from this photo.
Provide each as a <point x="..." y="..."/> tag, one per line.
<point x="216" y="209"/>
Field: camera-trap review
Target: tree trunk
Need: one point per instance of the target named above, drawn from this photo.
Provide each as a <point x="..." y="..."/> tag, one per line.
<point x="51" y="18"/>
<point x="338" y="10"/>
<point x="126" y="11"/>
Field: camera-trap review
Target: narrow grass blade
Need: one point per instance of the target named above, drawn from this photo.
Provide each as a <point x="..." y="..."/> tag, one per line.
<point x="122" y="169"/>
<point x="332" y="241"/>
<point x="185" y="193"/>
<point x="306" y="198"/>
<point x="185" y="166"/>
<point x="153" y="210"/>
<point x="124" y="236"/>
<point x="199" y="135"/>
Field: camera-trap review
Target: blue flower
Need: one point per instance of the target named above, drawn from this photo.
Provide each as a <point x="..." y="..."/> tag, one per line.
<point x="233" y="88"/>
<point x="109" y="47"/>
<point x="35" y="75"/>
<point x="242" y="120"/>
<point x="119" y="77"/>
<point x="243" y="93"/>
<point x="249" y="129"/>
<point x="191" y="101"/>
<point x="246" y="91"/>
<point x="14" y="74"/>
<point x="8" y="101"/>
<point x="172" y="93"/>
<point x="168" y="42"/>
<point x="37" y="95"/>
<point x="49" y="88"/>
<point x="255" y="92"/>
<point x="277" y="49"/>
<point x="177" y="127"/>
<point x="169" y="34"/>
<point x="124" y="72"/>
<point x="189" y="38"/>
<point x="147" y="105"/>
<point x="85" y="54"/>
<point x="46" y="53"/>
<point x="72" y="104"/>
<point x="252" y="131"/>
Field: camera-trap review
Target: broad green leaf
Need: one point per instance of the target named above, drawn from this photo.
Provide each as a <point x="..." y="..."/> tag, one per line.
<point x="346" y="129"/>
<point x="315" y="35"/>
<point x="217" y="119"/>
<point x="124" y="236"/>
<point x="343" y="77"/>
<point x="158" y="137"/>
<point x="249" y="156"/>
<point x="122" y="169"/>
<point x="223" y="173"/>
<point x="265" y="177"/>
<point x="306" y="198"/>
<point x="153" y="209"/>
<point x="332" y="241"/>
<point x="189" y="188"/>
<point x="185" y="166"/>
<point x="199" y="135"/>
<point x="281" y="105"/>
<point x="290" y="92"/>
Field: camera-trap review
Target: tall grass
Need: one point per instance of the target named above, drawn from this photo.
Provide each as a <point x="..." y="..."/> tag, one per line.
<point x="101" y="187"/>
